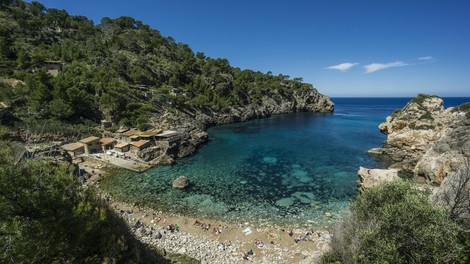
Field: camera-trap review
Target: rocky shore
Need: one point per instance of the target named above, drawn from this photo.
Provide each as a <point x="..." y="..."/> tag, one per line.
<point x="424" y="141"/>
<point x="212" y="241"/>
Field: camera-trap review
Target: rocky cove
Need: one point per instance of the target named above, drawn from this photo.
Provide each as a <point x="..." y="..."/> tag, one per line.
<point x="154" y="227"/>
<point x="192" y="123"/>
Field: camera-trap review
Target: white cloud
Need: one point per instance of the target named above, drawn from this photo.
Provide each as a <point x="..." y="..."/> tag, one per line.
<point x="382" y="66"/>
<point x="425" y="58"/>
<point x="343" y="67"/>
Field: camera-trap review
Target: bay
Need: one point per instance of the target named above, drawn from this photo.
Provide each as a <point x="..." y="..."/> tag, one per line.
<point x="295" y="169"/>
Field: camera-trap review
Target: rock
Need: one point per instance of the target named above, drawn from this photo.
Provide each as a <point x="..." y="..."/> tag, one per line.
<point x="182" y="250"/>
<point x="425" y="140"/>
<point x="158" y="235"/>
<point x="149" y="154"/>
<point x="285" y="202"/>
<point x="181" y="182"/>
<point x="374" y="177"/>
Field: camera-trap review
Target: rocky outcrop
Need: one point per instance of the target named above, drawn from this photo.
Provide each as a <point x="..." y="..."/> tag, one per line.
<point x="191" y="141"/>
<point x="373" y="177"/>
<point x="425" y="140"/>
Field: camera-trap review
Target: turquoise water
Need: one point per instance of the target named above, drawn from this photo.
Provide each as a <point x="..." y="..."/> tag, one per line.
<point x="288" y="169"/>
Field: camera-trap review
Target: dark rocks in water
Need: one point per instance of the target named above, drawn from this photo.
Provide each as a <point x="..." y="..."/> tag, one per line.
<point x="181" y="182"/>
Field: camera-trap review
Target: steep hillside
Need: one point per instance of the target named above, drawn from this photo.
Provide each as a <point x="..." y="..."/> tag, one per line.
<point x="63" y="74"/>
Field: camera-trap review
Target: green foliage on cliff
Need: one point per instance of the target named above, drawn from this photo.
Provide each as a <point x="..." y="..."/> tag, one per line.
<point x="46" y="216"/>
<point x="396" y="223"/>
<point x="419" y="99"/>
<point x="120" y="70"/>
<point x="465" y="107"/>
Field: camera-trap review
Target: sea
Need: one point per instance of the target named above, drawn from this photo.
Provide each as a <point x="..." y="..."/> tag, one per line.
<point x="296" y="170"/>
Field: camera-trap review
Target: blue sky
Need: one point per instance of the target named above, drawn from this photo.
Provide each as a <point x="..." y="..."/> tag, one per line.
<point x="342" y="47"/>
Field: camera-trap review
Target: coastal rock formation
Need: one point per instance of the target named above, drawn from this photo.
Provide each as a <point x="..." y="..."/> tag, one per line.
<point x="191" y="141"/>
<point x="181" y="182"/>
<point x="192" y="123"/>
<point x="374" y="177"/>
<point x="425" y="140"/>
<point x="151" y="153"/>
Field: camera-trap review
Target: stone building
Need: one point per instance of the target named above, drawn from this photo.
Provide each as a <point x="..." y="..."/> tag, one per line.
<point x="91" y="144"/>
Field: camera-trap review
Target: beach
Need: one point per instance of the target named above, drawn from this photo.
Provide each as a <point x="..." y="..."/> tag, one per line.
<point x="211" y="241"/>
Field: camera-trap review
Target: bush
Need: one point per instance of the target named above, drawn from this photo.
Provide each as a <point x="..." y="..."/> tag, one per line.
<point x="419" y="99"/>
<point x="395" y="223"/>
<point x="454" y="196"/>
<point x="46" y="216"/>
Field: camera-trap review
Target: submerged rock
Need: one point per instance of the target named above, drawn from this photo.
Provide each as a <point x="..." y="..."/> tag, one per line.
<point x="181" y="182"/>
<point x="285" y="202"/>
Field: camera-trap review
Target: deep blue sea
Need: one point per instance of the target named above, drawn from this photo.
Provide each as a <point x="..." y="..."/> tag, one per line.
<point x="288" y="169"/>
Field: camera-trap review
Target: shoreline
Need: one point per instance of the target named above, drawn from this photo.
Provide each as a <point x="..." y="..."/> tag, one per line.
<point x="214" y="241"/>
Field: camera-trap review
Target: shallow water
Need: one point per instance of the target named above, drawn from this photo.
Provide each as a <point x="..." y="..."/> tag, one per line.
<point x="287" y="170"/>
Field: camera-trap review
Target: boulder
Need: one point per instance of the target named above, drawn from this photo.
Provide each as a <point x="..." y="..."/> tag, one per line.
<point x="373" y="177"/>
<point x="181" y="182"/>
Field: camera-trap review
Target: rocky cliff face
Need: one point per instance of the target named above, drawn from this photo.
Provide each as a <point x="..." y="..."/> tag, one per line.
<point x="192" y="123"/>
<point x="425" y="140"/>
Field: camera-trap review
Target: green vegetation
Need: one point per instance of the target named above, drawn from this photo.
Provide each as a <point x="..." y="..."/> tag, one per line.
<point x="426" y="116"/>
<point x="396" y="113"/>
<point x="419" y="99"/>
<point x="465" y="107"/>
<point x="120" y="70"/>
<point x="421" y="127"/>
<point x="397" y="223"/>
<point x="47" y="216"/>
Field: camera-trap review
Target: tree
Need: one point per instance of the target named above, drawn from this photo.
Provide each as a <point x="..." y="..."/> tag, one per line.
<point x="40" y="87"/>
<point x="47" y="216"/>
<point x="60" y="109"/>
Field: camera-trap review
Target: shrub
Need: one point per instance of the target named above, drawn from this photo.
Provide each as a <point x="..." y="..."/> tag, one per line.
<point x="465" y="107"/>
<point x="454" y="196"/>
<point x="426" y="116"/>
<point x="395" y="223"/>
<point x="396" y="112"/>
<point x="419" y="99"/>
<point x="46" y="216"/>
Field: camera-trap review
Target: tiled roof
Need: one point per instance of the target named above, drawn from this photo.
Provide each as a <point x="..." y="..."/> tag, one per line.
<point x="89" y="139"/>
<point x="140" y="143"/>
<point x="131" y="132"/>
<point x="73" y="146"/>
<point x="107" y="141"/>
<point x="122" y="145"/>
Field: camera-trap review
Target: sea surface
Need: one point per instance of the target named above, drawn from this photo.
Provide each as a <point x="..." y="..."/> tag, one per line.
<point x="290" y="170"/>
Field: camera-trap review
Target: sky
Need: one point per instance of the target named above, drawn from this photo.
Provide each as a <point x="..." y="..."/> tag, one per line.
<point x="344" y="48"/>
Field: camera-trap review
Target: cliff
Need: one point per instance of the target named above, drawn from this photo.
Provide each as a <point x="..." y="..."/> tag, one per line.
<point x="426" y="141"/>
